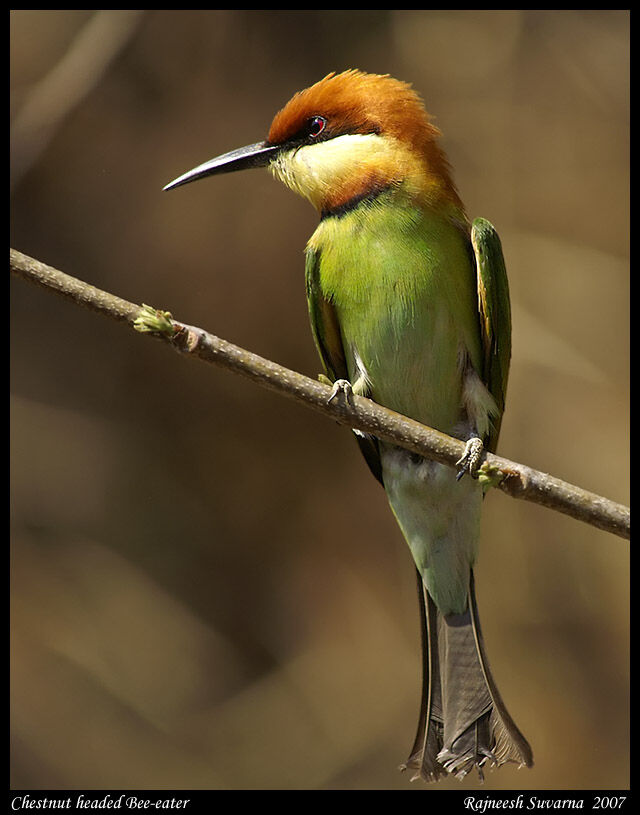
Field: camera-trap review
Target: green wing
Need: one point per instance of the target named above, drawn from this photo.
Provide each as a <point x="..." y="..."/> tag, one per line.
<point x="328" y="338"/>
<point x="495" y="314"/>
<point x="324" y="322"/>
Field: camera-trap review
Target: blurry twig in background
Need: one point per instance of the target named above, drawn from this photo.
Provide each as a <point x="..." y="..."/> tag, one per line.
<point x="81" y="67"/>
<point x="515" y="479"/>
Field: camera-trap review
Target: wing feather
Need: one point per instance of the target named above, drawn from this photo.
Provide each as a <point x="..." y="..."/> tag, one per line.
<point x="495" y="314"/>
<point x="328" y="339"/>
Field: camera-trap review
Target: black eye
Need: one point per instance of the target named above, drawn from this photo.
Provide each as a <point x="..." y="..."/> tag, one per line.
<point x="316" y="125"/>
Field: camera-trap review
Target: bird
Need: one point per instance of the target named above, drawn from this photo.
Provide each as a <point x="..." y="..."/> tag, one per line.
<point x="409" y="306"/>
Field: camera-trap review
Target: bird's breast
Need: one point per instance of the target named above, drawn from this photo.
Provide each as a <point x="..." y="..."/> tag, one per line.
<point x="403" y="290"/>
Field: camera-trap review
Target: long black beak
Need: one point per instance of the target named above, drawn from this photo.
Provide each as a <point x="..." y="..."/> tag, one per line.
<point x="254" y="155"/>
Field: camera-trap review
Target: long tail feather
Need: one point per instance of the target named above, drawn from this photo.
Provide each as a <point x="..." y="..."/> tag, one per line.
<point x="463" y="721"/>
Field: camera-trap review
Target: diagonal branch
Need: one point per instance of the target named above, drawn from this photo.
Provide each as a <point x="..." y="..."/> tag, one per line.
<point x="79" y="70"/>
<point x="515" y="479"/>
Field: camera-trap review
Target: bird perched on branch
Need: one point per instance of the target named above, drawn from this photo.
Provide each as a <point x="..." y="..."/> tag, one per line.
<point x="409" y="306"/>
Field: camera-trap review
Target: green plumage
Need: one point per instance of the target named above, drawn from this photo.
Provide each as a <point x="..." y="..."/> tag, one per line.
<point x="401" y="283"/>
<point x="394" y="306"/>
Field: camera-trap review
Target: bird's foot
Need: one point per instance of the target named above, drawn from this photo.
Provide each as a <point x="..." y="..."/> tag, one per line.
<point x="342" y="389"/>
<point x="470" y="460"/>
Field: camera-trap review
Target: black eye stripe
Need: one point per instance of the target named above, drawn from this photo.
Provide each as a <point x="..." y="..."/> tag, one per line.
<point x="317" y="129"/>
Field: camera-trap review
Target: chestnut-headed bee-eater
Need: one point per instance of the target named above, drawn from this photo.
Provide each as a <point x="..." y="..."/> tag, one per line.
<point x="409" y="306"/>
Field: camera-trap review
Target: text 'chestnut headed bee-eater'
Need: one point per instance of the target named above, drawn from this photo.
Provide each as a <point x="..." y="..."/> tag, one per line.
<point x="410" y="304"/>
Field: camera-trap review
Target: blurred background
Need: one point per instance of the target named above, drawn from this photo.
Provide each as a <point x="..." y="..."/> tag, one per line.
<point x="208" y="588"/>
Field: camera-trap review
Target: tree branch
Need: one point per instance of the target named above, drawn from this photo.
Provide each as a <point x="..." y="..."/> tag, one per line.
<point x="515" y="479"/>
<point x="79" y="70"/>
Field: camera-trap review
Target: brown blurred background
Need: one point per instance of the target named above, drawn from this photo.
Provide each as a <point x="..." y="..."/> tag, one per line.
<point x="208" y="588"/>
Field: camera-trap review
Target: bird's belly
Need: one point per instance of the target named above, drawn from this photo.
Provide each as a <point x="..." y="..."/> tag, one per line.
<point x="440" y="520"/>
<point x="410" y="362"/>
